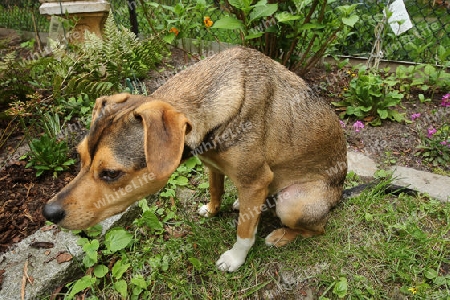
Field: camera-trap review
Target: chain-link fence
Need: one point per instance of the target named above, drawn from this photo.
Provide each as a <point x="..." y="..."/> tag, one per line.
<point x="22" y="15"/>
<point x="431" y="20"/>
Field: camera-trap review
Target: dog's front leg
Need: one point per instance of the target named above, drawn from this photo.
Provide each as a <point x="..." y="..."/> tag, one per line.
<point x="216" y="189"/>
<point x="252" y="198"/>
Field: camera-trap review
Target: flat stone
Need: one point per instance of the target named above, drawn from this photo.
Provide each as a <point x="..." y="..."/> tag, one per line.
<point x="436" y="186"/>
<point x="44" y="270"/>
<point x="74" y="7"/>
<point x="360" y="164"/>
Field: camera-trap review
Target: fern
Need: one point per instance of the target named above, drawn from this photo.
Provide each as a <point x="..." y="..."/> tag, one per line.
<point x="102" y="65"/>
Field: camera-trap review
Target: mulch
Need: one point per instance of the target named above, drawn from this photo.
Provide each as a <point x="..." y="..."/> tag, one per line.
<point x="22" y="198"/>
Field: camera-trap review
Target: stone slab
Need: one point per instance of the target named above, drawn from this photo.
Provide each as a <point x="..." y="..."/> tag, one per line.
<point x="436" y="186"/>
<point x="46" y="273"/>
<point x="74" y="7"/>
<point x="361" y="164"/>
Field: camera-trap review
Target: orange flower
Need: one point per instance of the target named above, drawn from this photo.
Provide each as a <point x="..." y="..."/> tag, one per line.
<point x="174" y="30"/>
<point x="207" y="21"/>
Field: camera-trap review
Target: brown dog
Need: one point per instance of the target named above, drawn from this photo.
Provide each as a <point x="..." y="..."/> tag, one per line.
<point x="246" y="117"/>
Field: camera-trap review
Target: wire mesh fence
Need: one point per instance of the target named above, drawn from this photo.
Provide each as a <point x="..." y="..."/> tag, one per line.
<point x="22" y="15"/>
<point x="184" y="18"/>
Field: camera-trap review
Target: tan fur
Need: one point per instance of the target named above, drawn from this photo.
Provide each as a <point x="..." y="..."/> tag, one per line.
<point x="245" y="116"/>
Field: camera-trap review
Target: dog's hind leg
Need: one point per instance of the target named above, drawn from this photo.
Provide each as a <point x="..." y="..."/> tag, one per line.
<point x="303" y="209"/>
<point x="216" y="189"/>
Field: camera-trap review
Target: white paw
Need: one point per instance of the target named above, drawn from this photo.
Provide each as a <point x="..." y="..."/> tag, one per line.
<point x="236" y="204"/>
<point x="230" y="261"/>
<point x="204" y="212"/>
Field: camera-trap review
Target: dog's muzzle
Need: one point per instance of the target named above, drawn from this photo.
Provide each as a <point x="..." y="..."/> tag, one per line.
<point x="53" y="212"/>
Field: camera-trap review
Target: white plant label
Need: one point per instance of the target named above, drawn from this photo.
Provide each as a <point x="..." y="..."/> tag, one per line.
<point x="399" y="21"/>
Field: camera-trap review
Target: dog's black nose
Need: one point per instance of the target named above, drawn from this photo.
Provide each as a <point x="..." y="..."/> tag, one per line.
<point x="53" y="212"/>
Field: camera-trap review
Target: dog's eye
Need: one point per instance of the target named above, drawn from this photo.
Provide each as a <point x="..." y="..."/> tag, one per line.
<point x="110" y="175"/>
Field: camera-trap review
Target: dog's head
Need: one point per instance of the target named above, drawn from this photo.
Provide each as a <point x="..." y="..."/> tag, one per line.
<point x="130" y="152"/>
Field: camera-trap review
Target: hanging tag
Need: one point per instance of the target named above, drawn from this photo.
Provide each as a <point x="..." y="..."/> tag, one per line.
<point x="399" y="21"/>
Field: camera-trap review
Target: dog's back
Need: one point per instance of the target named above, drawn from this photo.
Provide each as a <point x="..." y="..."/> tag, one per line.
<point x="264" y="104"/>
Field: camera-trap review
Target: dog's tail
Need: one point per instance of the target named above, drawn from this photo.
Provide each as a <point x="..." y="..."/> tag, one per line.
<point x="380" y="186"/>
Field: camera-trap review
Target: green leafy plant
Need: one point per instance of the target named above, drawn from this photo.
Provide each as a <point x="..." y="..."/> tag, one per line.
<point x="14" y="80"/>
<point x="100" y="66"/>
<point x="180" y="177"/>
<point x="373" y="97"/>
<point x="298" y="32"/>
<point x="425" y="77"/>
<point x="435" y="146"/>
<point x="181" y="20"/>
<point x="49" y="152"/>
<point x="79" y="107"/>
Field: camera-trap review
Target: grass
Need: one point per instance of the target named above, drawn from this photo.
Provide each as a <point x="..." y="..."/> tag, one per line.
<point x="377" y="246"/>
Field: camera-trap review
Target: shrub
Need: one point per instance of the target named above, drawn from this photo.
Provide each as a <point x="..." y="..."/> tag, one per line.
<point x="299" y="33"/>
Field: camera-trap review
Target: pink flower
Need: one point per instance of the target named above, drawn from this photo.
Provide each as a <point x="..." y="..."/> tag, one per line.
<point x="358" y="125"/>
<point x="431" y="132"/>
<point x="415" y="116"/>
<point x="342" y="123"/>
<point x="446" y="100"/>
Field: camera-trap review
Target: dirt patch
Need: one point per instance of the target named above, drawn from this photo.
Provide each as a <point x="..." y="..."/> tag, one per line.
<point x="22" y="198"/>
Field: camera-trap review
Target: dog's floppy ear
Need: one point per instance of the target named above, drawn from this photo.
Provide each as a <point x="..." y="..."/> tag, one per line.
<point x="102" y="102"/>
<point x="164" y="131"/>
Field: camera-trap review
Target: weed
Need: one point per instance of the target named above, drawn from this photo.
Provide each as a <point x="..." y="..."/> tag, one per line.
<point x="371" y="96"/>
<point x="435" y="146"/>
<point x="49" y="152"/>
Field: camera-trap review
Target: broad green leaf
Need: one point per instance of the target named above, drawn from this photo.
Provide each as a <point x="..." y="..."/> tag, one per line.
<point x="119" y="268"/>
<point x="341" y="287"/>
<point x="350" y="21"/>
<point x="169" y="38"/>
<point x="80" y="285"/>
<point x="241" y="4"/>
<point x="228" y="23"/>
<point x="431" y="274"/>
<point x="139" y="281"/>
<point x="121" y="287"/>
<point x="191" y="162"/>
<point x="117" y="239"/>
<point x="195" y="262"/>
<point x="254" y="35"/>
<point x="203" y="185"/>
<point x="284" y="17"/>
<point x="151" y="220"/>
<point x="262" y="11"/>
<point x="180" y="180"/>
<point x="100" y="271"/>
<point x="309" y="26"/>
<point x="383" y="113"/>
